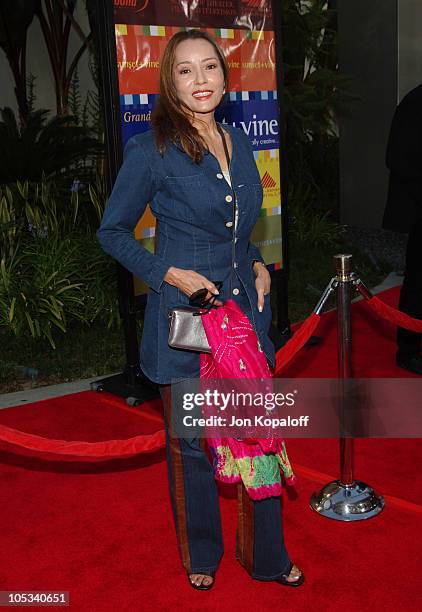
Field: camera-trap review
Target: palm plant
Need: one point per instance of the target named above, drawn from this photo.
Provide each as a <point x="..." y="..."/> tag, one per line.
<point x="57" y="19"/>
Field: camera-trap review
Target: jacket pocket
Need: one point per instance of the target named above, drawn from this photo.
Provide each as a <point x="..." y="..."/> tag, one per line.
<point x="171" y="296"/>
<point x="189" y="197"/>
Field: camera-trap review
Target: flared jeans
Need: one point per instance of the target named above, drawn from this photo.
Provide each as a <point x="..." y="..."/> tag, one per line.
<point x="194" y="497"/>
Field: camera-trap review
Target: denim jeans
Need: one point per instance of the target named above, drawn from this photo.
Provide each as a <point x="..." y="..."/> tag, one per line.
<point x="194" y="498"/>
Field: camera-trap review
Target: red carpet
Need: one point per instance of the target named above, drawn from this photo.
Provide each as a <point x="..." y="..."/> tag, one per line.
<point x="103" y="530"/>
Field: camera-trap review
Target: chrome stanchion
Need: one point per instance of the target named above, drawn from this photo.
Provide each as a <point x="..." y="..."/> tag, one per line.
<point x="329" y="289"/>
<point x="345" y="499"/>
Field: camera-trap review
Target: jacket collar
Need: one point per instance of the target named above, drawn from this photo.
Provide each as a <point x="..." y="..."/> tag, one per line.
<point x="225" y="126"/>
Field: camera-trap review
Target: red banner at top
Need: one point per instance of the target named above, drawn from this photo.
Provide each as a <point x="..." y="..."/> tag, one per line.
<point x="242" y="14"/>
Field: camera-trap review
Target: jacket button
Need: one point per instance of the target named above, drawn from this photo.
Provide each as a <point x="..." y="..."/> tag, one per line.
<point x="235" y="291"/>
<point x="229" y="223"/>
<point x="220" y="176"/>
<point x="229" y="198"/>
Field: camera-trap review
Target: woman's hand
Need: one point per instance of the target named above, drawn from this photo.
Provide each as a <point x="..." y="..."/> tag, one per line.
<point x="262" y="282"/>
<point x="189" y="281"/>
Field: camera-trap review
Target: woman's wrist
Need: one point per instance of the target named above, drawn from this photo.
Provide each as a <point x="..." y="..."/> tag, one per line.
<point x="171" y="275"/>
<point x="258" y="267"/>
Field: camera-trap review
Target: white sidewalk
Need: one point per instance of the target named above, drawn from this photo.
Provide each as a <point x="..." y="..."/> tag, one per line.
<point x="20" y="398"/>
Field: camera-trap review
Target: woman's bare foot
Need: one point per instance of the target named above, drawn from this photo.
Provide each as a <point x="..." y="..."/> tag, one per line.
<point x="199" y="579"/>
<point x="294" y="575"/>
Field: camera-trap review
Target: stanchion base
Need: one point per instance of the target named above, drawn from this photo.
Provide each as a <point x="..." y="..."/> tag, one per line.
<point x="341" y="502"/>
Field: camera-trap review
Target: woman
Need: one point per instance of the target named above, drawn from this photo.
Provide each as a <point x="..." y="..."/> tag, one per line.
<point x="180" y="168"/>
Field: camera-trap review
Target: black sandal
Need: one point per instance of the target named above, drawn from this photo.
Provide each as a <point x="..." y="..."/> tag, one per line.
<point x="202" y="586"/>
<point x="295" y="583"/>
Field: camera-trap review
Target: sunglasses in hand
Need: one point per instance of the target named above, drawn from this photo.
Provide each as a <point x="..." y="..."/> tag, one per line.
<point x="199" y="298"/>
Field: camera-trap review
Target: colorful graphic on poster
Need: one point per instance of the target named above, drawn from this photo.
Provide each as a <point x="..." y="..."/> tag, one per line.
<point x="250" y="56"/>
<point x="243" y="29"/>
<point x="255" y="112"/>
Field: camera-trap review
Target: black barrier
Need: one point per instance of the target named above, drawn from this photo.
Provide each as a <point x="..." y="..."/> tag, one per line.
<point x="130" y="384"/>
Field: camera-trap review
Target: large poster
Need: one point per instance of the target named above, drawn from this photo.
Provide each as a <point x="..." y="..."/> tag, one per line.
<point x="243" y="29"/>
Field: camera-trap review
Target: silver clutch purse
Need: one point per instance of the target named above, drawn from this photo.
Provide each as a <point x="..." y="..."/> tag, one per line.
<point x="186" y="330"/>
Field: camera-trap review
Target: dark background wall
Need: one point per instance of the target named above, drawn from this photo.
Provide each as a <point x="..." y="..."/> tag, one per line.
<point x="368" y="55"/>
<point x="410" y="45"/>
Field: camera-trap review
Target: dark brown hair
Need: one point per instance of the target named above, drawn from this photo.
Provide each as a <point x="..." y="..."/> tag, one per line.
<point x="170" y="118"/>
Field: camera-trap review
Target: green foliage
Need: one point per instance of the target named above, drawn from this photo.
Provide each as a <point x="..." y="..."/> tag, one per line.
<point x="45" y="208"/>
<point x="314" y="89"/>
<point x="99" y="282"/>
<point x="93" y="112"/>
<point x="41" y="147"/>
<point x="53" y="273"/>
<point x="37" y="289"/>
<point x="75" y="98"/>
<point x="310" y="227"/>
<point x="88" y="115"/>
<point x="98" y="194"/>
<point x="52" y="269"/>
<point x="8" y="224"/>
<point x="314" y="93"/>
<point x="31" y="96"/>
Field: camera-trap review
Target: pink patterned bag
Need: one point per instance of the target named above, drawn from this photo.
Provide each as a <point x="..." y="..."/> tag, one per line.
<point x="236" y="353"/>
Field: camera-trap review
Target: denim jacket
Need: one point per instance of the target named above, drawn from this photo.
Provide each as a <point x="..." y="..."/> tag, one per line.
<point x="192" y="204"/>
